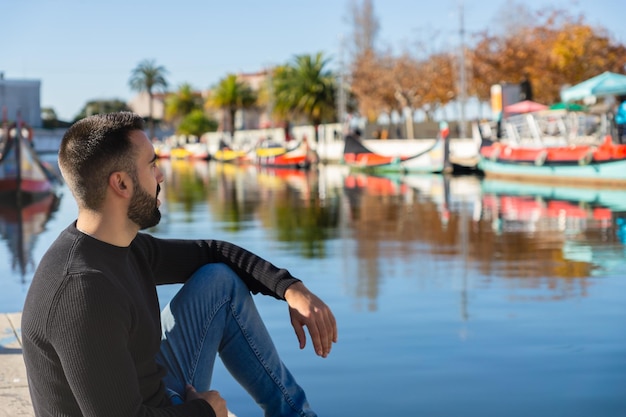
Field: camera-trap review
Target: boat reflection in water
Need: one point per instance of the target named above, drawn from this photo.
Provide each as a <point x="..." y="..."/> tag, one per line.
<point x="581" y="225"/>
<point x="20" y="224"/>
<point x="549" y="239"/>
<point x="544" y="238"/>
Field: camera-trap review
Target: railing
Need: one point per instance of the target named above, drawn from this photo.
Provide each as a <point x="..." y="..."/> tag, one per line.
<point x="547" y="128"/>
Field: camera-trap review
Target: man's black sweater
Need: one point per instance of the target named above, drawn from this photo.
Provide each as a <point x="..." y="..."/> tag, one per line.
<point x="91" y="321"/>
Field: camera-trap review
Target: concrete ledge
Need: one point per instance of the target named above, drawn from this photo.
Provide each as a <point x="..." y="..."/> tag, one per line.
<point x="14" y="395"/>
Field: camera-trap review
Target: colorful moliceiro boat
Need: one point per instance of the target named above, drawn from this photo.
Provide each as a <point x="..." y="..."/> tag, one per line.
<point x="273" y="154"/>
<point x="23" y="177"/>
<point x="227" y="154"/>
<point x="579" y="164"/>
<point x="433" y="159"/>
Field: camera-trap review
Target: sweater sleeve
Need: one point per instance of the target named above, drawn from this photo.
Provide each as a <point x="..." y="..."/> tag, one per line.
<point x="90" y="334"/>
<point x="174" y="261"/>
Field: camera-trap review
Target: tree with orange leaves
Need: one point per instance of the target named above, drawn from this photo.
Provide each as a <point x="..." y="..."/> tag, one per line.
<point x="557" y="50"/>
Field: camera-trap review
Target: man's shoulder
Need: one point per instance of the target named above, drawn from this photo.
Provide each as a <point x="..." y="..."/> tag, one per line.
<point x="70" y="261"/>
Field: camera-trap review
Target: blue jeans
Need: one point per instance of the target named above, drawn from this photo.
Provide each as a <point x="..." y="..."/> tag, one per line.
<point x="214" y="313"/>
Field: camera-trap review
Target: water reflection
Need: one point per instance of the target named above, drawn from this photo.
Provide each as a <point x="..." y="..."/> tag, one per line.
<point x="286" y="202"/>
<point x="490" y="232"/>
<point x="20" y="224"/>
<point x="571" y="232"/>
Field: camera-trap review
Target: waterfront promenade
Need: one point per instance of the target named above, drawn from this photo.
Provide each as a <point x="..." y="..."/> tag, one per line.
<point x="14" y="397"/>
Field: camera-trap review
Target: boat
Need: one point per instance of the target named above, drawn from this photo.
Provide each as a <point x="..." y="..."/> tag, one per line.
<point x="180" y="148"/>
<point x="227" y="154"/>
<point x="432" y="159"/>
<point x="23" y="176"/>
<point x="190" y="151"/>
<point x="568" y="157"/>
<point x="269" y="153"/>
<point x="162" y="150"/>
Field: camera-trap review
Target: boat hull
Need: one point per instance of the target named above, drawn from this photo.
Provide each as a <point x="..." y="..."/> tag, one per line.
<point x="276" y="156"/>
<point x="583" y="164"/>
<point x="605" y="172"/>
<point x="358" y="157"/>
<point x="231" y="156"/>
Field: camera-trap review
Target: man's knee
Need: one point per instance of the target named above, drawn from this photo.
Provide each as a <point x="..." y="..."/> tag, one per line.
<point x="215" y="275"/>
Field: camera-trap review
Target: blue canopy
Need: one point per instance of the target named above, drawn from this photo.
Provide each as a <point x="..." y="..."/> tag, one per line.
<point x="605" y="84"/>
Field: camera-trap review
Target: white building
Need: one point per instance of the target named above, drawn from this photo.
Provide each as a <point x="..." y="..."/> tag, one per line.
<point x="140" y="104"/>
<point x="21" y="96"/>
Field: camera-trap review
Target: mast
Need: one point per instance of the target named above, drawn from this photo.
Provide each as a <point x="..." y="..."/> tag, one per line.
<point x="341" y="96"/>
<point x="18" y="158"/>
<point x="462" y="77"/>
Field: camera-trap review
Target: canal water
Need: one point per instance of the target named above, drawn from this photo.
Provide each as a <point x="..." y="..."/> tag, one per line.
<point x="455" y="296"/>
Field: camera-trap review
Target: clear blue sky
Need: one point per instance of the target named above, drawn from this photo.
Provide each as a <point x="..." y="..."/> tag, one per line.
<point x="83" y="50"/>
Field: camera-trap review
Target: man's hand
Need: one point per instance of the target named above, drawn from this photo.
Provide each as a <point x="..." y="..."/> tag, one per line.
<point x="306" y="309"/>
<point x="214" y="399"/>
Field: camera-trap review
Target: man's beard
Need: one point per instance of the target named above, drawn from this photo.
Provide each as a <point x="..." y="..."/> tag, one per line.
<point x="143" y="208"/>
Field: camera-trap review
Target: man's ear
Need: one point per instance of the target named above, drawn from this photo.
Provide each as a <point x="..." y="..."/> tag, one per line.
<point x="120" y="183"/>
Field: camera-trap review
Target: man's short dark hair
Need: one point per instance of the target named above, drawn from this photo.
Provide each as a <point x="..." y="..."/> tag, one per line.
<point x="92" y="149"/>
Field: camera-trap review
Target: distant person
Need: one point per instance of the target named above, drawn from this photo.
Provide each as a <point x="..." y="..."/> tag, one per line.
<point x="620" y="120"/>
<point x="94" y="342"/>
<point x="526" y="89"/>
<point x="499" y="125"/>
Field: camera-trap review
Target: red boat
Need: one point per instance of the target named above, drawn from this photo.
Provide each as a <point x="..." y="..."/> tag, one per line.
<point x="433" y="158"/>
<point x="565" y="148"/>
<point x="555" y="155"/>
<point x="23" y="176"/>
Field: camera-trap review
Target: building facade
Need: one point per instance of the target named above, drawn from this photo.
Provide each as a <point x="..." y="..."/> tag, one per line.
<point x="23" y="97"/>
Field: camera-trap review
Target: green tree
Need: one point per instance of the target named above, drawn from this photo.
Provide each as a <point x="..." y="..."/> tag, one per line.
<point x="149" y="77"/>
<point x="231" y="95"/>
<point x="50" y="119"/>
<point x="306" y="88"/>
<point x="182" y="103"/>
<point x="102" y="106"/>
<point x="196" y="123"/>
<point x="48" y="114"/>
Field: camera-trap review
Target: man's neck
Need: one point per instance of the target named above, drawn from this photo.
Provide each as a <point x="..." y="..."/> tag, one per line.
<point x="109" y="229"/>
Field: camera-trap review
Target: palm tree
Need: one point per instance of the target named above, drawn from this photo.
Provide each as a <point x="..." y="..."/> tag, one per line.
<point x="307" y="89"/>
<point x="181" y="103"/>
<point x="149" y="77"/>
<point x="232" y="95"/>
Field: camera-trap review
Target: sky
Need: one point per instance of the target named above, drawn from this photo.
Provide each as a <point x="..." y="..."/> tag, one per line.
<point x="84" y="50"/>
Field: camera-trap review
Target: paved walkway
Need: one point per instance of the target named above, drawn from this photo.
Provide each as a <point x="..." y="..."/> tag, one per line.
<point x="14" y="397"/>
